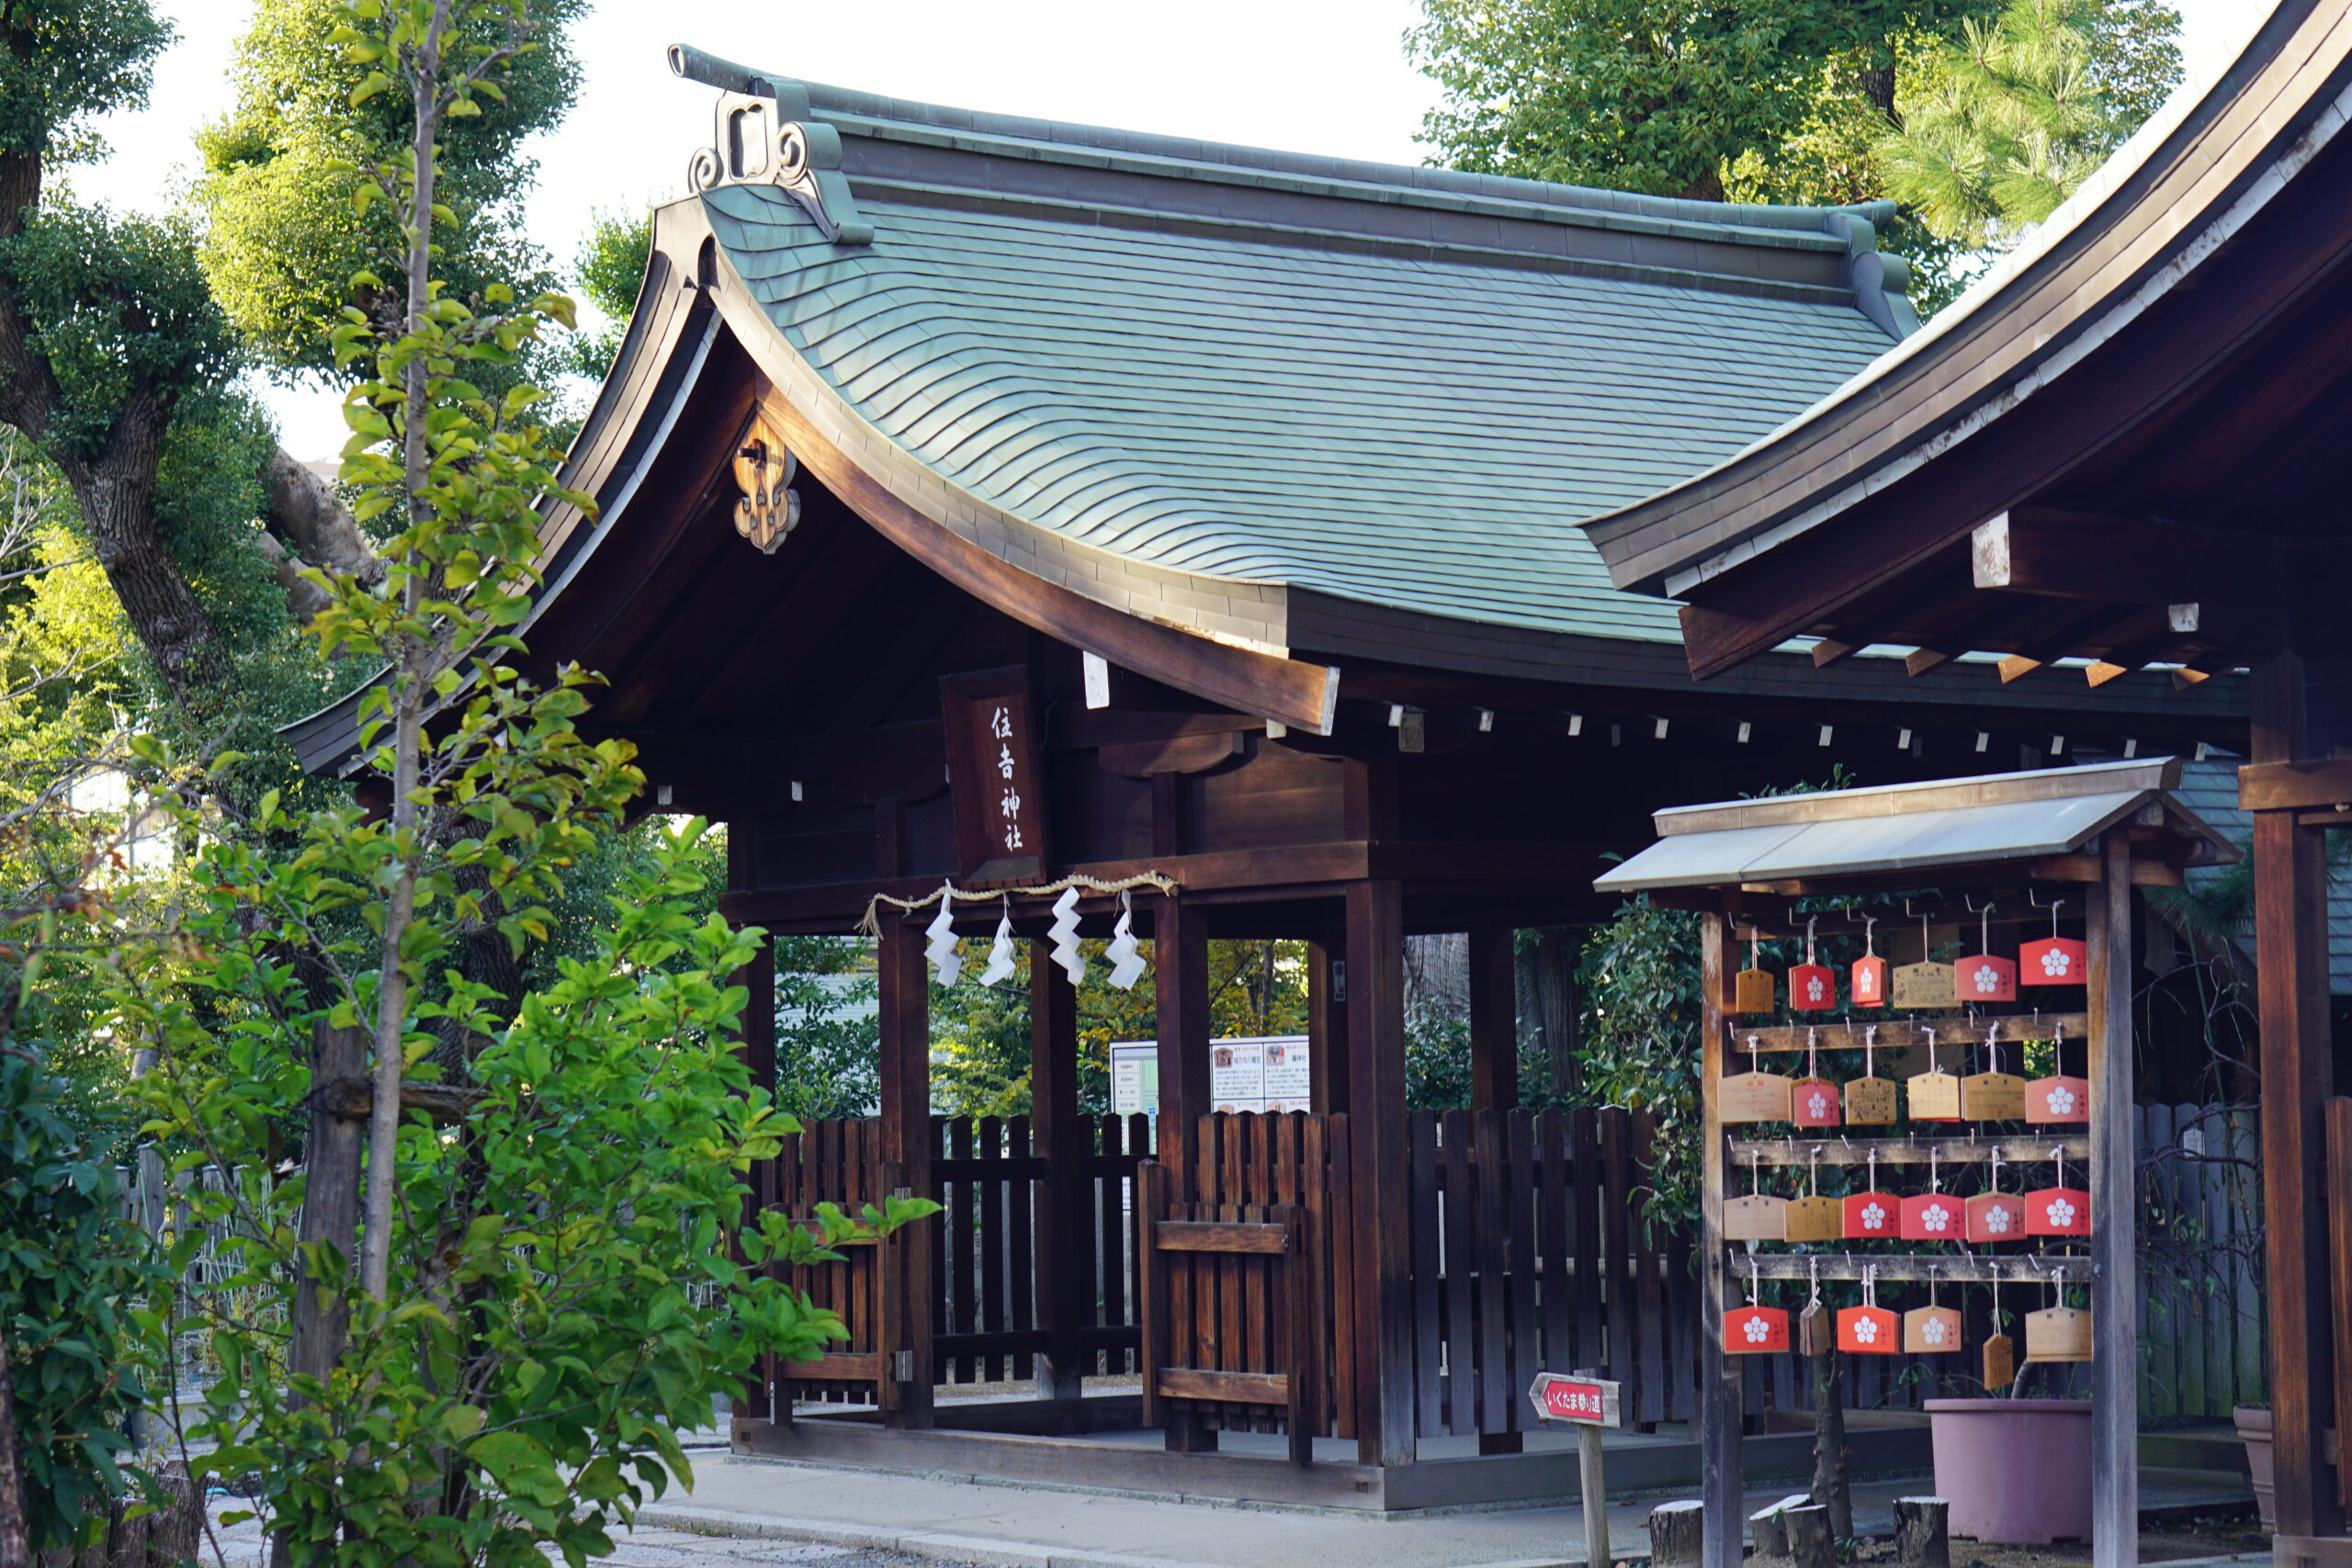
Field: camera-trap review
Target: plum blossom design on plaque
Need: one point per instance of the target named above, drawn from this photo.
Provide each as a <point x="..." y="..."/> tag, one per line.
<point x="1932" y="1331"/>
<point x="1866" y="1330"/>
<point x="1935" y="1217"/>
<point x="1874" y="1217"/>
<point x="1818" y="1104"/>
<point x="1986" y="980"/>
<point x="2062" y="1212"/>
<point x="2062" y="1102"/>
<point x="2056" y="961"/>
<point x="1996" y="1220"/>
<point x="1756" y="1330"/>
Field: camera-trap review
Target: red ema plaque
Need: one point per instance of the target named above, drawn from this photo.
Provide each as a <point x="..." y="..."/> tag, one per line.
<point x="992" y="772"/>
<point x="1591" y="1401"/>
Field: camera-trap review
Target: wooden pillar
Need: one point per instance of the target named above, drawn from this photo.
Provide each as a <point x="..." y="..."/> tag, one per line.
<point x="2297" y="1078"/>
<point x="1382" y="1362"/>
<point x="904" y="985"/>
<point x="1180" y="949"/>
<point x="1719" y="1374"/>
<point x="2115" y="1359"/>
<point x="1326" y="1026"/>
<point x="755" y="1047"/>
<point x="1494" y="1019"/>
<point x="1063" y="1215"/>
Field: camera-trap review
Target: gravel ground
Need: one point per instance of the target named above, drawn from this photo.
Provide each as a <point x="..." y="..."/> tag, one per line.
<point x="241" y="1547"/>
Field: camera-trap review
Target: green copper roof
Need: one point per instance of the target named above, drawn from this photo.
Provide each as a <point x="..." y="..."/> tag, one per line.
<point x="1412" y="418"/>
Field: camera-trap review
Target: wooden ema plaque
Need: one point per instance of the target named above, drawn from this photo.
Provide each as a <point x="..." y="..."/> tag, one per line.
<point x="1756" y="1218"/>
<point x="2000" y="1361"/>
<point x="2054" y="961"/>
<point x="1934" y="1096"/>
<point x="1753" y="1097"/>
<point x="1866" y="982"/>
<point x="2058" y="1334"/>
<point x="1931" y="1217"/>
<point x="1755" y="1331"/>
<point x="1815" y="1219"/>
<point x="1867" y="1331"/>
<point x="1812" y="987"/>
<point x="1986" y="979"/>
<point x="1925" y="986"/>
<point x="1816" y="1334"/>
<point x="1930" y="1331"/>
<point x="1751" y="991"/>
<point x="1995" y="1216"/>
<point x="1872" y="1216"/>
<point x="2055" y="1099"/>
<point x="1870" y="1102"/>
<point x="1814" y="1103"/>
<point x="1992" y="1096"/>
<point x="2058" y="1210"/>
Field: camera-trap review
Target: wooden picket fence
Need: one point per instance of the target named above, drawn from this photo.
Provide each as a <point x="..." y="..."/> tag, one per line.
<point x="1533" y="1248"/>
<point x="2201" y="1321"/>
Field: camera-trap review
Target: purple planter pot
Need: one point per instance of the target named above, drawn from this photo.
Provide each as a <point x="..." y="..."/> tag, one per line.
<point x="2015" y="1471"/>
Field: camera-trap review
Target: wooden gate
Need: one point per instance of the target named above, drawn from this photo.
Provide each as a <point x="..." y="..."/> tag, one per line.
<point x="1231" y="1319"/>
<point x="839" y="1162"/>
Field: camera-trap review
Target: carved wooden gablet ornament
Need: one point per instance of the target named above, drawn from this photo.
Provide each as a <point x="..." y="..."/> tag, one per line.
<point x="765" y="468"/>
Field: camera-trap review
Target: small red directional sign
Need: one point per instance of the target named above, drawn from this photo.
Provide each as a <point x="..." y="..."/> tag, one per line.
<point x="1589" y="1400"/>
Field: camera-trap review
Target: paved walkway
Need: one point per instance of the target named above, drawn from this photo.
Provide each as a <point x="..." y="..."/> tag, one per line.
<point x="954" y="1519"/>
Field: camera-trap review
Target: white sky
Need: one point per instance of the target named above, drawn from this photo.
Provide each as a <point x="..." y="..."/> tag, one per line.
<point x="1306" y="75"/>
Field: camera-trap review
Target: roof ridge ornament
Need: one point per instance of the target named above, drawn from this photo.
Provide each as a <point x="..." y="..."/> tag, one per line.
<point x="1881" y="280"/>
<point x="762" y="134"/>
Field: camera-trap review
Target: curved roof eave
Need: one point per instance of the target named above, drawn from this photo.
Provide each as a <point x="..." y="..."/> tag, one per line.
<point x="2173" y="143"/>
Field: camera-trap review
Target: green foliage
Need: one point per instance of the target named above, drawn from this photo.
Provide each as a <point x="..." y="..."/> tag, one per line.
<point x="981" y="1032"/>
<point x="562" y="1300"/>
<point x="608" y="269"/>
<point x="828" y="1034"/>
<point x="119" y="309"/>
<point x="72" y="1271"/>
<point x="2004" y="123"/>
<point x="1640" y="977"/>
<point x="288" y="228"/>
<point x="1640" y="95"/>
<point x="65" y="63"/>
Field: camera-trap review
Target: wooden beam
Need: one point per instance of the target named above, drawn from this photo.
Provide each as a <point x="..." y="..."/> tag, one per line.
<point x="1327" y="1027"/>
<point x="2017" y="667"/>
<point x="1062" y="1203"/>
<point x="903" y="983"/>
<point x="1919" y="660"/>
<point x="1830" y="650"/>
<point x="1382" y="1354"/>
<point x="2298" y="1079"/>
<point x="1291" y="690"/>
<point x="1494" y="1019"/>
<point x="2121" y="561"/>
<point x="2114" y="1173"/>
<point x="1720" y="1375"/>
<point x="2295" y="785"/>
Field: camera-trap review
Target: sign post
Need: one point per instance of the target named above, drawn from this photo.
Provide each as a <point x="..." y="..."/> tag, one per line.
<point x="1588" y="1404"/>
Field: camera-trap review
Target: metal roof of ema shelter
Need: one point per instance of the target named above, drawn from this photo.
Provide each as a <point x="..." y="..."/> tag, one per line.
<point x="1945" y="823"/>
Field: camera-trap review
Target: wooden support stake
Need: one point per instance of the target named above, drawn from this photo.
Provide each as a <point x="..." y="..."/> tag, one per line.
<point x="1677" y="1534"/>
<point x="1062" y="1267"/>
<point x="904" y="1001"/>
<point x="1494" y="1020"/>
<point x="1719" y="1374"/>
<point x="1594" y="1485"/>
<point x="1921" y="1537"/>
<point x="1383" y="1348"/>
<point x="2115" y="1361"/>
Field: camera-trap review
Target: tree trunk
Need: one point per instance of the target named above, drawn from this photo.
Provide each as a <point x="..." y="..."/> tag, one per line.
<point x="1546" y="965"/>
<point x="116" y="497"/>
<point x="1437" y="975"/>
<point x="1831" y="1488"/>
<point x="16" y="1541"/>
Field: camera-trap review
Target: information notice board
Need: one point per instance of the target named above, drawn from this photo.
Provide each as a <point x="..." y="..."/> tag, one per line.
<point x="1255" y="1073"/>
